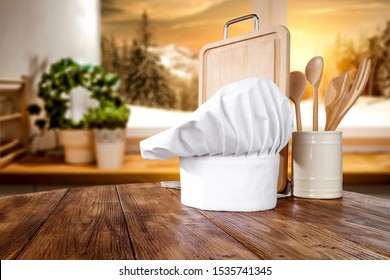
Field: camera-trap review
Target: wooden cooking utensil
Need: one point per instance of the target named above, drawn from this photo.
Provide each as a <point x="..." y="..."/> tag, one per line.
<point x="313" y="71"/>
<point x="297" y="90"/>
<point x="360" y="82"/>
<point x="336" y="92"/>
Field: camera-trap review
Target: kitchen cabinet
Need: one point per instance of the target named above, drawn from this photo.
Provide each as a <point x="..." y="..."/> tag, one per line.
<point x="13" y="119"/>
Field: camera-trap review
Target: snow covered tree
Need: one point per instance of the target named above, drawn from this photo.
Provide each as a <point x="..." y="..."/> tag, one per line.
<point x="144" y="32"/>
<point x="145" y="83"/>
<point x="146" y="79"/>
<point x="111" y="59"/>
<point x="347" y="54"/>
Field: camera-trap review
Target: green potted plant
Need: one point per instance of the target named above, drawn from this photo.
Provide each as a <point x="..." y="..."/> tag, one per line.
<point x="109" y="122"/>
<point x="54" y="89"/>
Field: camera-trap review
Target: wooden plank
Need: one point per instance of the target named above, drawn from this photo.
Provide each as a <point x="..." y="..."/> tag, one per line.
<point x="366" y="163"/>
<point x="366" y="168"/>
<point x="371" y="227"/>
<point x="377" y="206"/>
<point x="357" y="218"/>
<point x="357" y="168"/>
<point x="87" y="224"/>
<point x="10" y="117"/>
<point x="10" y="90"/>
<point x="9" y="145"/>
<point x="11" y="81"/>
<point x="8" y="158"/>
<point x="54" y="165"/>
<point x="25" y="133"/>
<point x="22" y="90"/>
<point x="365" y="144"/>
<point x="279" y="234"/>
<point x="53" y="170"/>
<point x="21" y="217"/>
<point x="162" y="228"/>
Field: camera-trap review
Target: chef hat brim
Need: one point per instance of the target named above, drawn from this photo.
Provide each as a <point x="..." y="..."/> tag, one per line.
<point x="229" y="183"/>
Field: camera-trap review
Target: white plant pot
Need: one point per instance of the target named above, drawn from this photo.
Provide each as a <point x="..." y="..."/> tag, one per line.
<point x="110" y="147"/>
<point x="78" y="145"/>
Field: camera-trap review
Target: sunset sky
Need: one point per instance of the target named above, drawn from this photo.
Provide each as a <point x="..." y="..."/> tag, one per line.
<point x="314" y="25"/>
<point x="190" y="23"/>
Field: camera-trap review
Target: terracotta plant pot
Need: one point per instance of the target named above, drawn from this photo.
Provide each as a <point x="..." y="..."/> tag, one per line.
<point x="110" y="147"/>
<point x="78" y="145"/>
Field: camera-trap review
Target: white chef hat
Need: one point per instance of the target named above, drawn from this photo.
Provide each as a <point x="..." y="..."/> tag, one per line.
<point x="229" y="147"/>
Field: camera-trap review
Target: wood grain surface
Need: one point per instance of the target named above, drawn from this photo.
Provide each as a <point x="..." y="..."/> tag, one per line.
<point x="148" y="222"/>
<point x="173" y="230"/>
<point x="21" y="217"/>
<point x="88" y="224"/>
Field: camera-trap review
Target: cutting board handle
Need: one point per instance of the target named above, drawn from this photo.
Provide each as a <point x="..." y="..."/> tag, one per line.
<point x="235" y="20"/>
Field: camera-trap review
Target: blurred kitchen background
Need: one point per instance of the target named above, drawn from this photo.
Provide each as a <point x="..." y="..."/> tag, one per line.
<point x="154" y="45"/>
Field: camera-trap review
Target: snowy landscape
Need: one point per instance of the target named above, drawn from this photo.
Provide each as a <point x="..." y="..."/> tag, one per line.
<point x="180" y="61"/>
<point x="368" y="118"/>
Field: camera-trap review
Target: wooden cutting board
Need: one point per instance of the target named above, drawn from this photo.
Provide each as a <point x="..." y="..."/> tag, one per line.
<point x="260" y="53"/>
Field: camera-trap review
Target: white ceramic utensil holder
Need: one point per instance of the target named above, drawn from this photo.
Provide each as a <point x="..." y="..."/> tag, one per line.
<point x="317" y="169"/>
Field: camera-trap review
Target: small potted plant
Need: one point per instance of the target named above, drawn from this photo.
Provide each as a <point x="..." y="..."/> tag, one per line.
<point x="109" y="122"/>
<point x="55" y="88"/>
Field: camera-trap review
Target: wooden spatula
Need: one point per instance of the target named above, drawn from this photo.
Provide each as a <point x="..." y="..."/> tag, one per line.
<point x="352" y="96"/>
<point x="338" y="88"/>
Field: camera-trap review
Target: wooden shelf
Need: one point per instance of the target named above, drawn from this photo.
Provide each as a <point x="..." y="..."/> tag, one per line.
<point x="12" y="81"/>
<point x="10" y="145"/>
<point x="5" y="160"/>
<point x="53" y="170"/>
<point x="12" y="150"/>
<point x="357" y="169"/>
<point x="10" y="90"/>
<point x="9" y="117"/>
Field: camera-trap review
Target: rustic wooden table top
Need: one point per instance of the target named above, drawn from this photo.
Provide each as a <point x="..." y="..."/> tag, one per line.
<point x="146" y="221"/>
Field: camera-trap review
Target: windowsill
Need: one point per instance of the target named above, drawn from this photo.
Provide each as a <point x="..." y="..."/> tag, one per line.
<point x="366" y="127"/>
<point x="357" y="169"/>
<point x="53" y="170"/>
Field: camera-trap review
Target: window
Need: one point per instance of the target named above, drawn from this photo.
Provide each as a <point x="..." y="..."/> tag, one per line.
<point x="154" y="46"/>
<point x="343" y="32"/>
<point x="339" y="31"/>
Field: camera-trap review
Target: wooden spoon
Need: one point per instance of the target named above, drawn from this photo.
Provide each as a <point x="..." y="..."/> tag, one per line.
<point x="337" y="90"/>
<point x="313" y="71"/>
<point x="352" y="96"/>
<point x="297" y="90"/>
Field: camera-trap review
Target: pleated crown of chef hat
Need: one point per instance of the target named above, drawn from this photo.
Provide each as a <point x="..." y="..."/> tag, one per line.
<point x="229" y="147"/>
